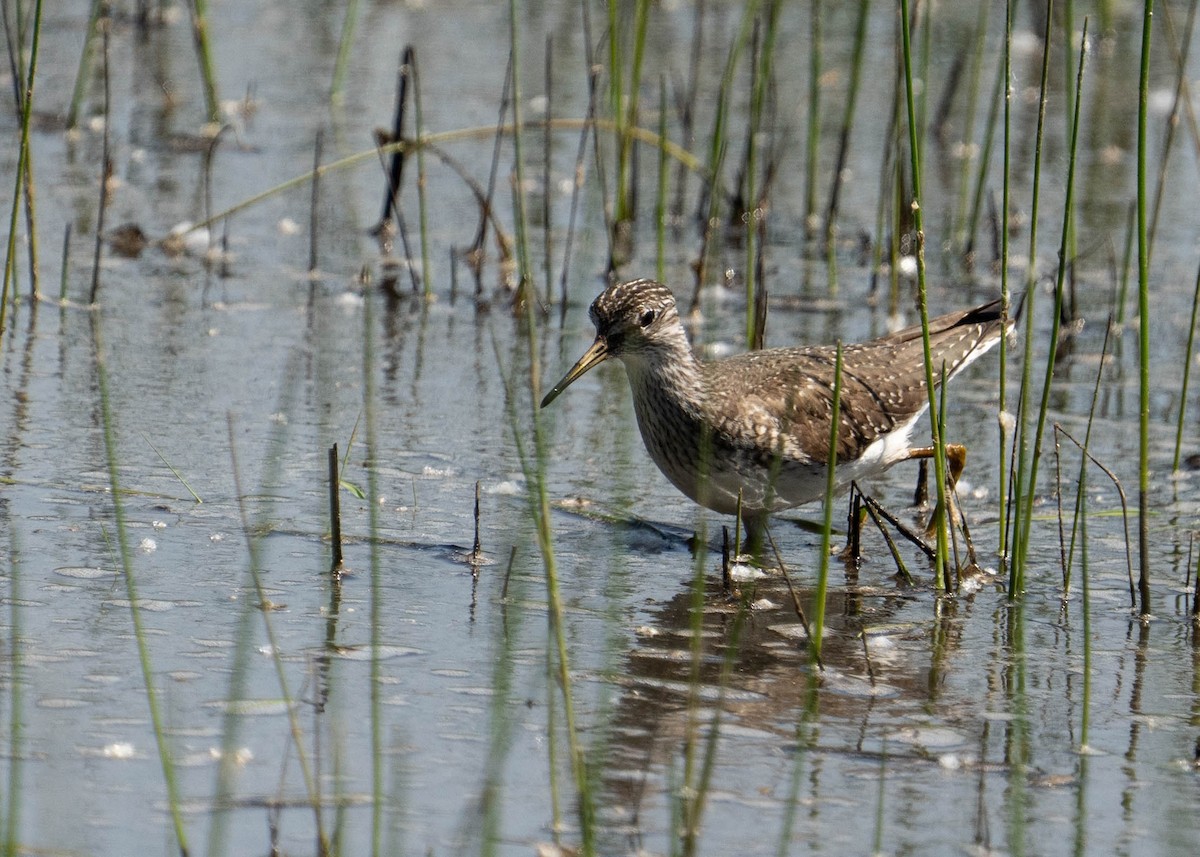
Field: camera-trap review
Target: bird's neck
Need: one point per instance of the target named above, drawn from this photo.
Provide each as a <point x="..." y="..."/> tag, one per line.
<point x="672" y="376"/>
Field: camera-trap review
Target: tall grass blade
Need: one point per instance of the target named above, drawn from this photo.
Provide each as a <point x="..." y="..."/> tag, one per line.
<point x="1024" y="486"/>
<point x="23" y="160"/>
<point x="1143" y="320"/>
<point x="1187" y="371"/>
<point x="1056" y="318"/>
<point x="345" y="44"/>
<point x="843" y="152"/>
<point x="813" y="138"/>
<point x="1005" y="419"/>
<point x="208" y="75"/>
<point x="526" y="292"/>
<point x="939" y="452"/>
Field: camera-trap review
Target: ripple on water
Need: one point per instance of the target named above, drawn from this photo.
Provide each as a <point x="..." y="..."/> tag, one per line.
<point x="84" y="572"/>
<point x="363" y="653"/>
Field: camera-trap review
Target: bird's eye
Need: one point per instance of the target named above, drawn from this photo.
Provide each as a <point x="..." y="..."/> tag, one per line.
<point x="647" y="318"/>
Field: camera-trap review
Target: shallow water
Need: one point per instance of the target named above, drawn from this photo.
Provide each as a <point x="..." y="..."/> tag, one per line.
<point x="938" y="726"/>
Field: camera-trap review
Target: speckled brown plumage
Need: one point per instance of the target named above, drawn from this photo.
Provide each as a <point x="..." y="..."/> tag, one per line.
<point x="758" y="423"/>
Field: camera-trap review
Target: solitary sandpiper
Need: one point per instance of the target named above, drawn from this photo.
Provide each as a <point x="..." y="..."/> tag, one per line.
<point x="754" y="428"/>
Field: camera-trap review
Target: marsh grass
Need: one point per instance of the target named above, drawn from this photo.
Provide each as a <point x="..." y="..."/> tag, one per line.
<point x="691" y="777"/>
<point x="915" y="125"/>
<point x="526" y="292"/>
<point x="1043" y="403"/>
<point x="208" y="75"/>
<point x="1187" y="372"/>
<point x="23" y="176"/>
<point x="843" y="150"/>
<point x="1143" y="320"/>
<point x="345" y="45"/>
<point x="1025" y="457"/>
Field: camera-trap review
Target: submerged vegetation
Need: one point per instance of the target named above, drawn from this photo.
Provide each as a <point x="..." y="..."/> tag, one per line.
<point x="795" y="172"/>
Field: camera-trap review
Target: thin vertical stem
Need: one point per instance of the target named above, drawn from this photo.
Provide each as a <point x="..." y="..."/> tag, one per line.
<point x="1025" y="483"/>
<point x="1143" y="320"/>
<point x="1187" y="371"/>
<point x="22" y="166"/>
<point x="939" y="452"/>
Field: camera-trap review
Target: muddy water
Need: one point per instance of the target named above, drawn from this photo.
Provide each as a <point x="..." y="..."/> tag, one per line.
<point x="937" y="727"/>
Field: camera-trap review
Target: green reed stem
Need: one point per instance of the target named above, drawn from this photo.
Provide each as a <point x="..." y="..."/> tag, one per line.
<point x="1143" y="319"/>
<point x="762" y="74"/>
<point x="125" y="556"/>
<point x="626" y="192"/>
<point x="939" y="451"/>
<point x="812" y="141"/>
<point x="525" y="288"/>
<point x="1059" y="288"/>
<point x="1182" y="91"/>
<point x="719" y="144"/>
<point x="963" y="237"/>
<point x="422" y="201"/>
<point x="1187" y="371"/>
<point x="856" y="64"/>
<point x="345" y="45"/>
<point x="85" y="58"/>
<point x="1079" y="525"/>
<point x="22" y="171"/>
<point x="835" y="418"/>
<point x="660" y="200"/>
<point x="1025" y="487"/>
<point x="435" y="140"/>
<point x="171" y="467"/>
<point x="204" y="54"/>
<point x="1003" y="421"/>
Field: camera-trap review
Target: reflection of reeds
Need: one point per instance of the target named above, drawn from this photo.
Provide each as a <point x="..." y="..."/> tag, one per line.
<point x="125" y="559"/>
<point x="312" y="785"/>
<point x="16" y="683"/>
<point x="534" y="469"/>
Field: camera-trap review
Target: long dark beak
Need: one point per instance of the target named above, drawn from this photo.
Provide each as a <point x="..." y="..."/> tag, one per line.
<point x="594" y="356"/>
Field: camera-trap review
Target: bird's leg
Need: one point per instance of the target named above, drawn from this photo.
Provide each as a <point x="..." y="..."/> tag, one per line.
<point x="755" y="527"/>
<point x="854" y="520"/>
<point x="956" y="462"/>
